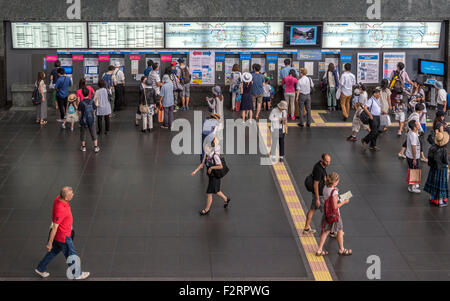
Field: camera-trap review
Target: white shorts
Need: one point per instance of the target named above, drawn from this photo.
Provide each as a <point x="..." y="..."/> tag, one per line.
<point x="400" y="116"/>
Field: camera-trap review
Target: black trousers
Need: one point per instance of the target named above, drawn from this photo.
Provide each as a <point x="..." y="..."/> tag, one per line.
<point x="372" y="137"/>
<point x="120" y="100"/>
<point x="281" y="139"/>
<point x="62" y="104"/>
<point x="100" y="123"/>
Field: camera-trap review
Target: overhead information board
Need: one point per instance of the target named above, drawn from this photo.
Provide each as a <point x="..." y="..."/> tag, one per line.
<point x="381" y="35"/>
<point x="42" y="35"/>
<point x="224" y="35"/>
<point x="126" y="35"/>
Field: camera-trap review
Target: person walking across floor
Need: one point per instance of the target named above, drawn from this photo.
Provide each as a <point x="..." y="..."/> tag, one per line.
<point x="119" y="87"/>
<point x="304" y="87"/>
<point x="60" y="239"/>
<point x="413" y="152"/>
<point x="359" y="106"/>
<point x="386" y="107"/>
<point x="347" y="82"/>
<point x="62" y="92"/>
<point x="437" y="181"/>
<point x="86" y="111"/>
<point x="42" y="108"/>
<point x="317" y="178"/>
<point x="103" y="111"/>
<point x="167" y="101"/>
<point x="247" y="102"/>
<point x="289" y="83"/>
<point x="213" y="163"/>
<point x="209" y="129"/>
<point x="331" y="77"/>
<point x="332" y="220"/>
<point x="373" y="110"/>
<point x="278" y="129"/>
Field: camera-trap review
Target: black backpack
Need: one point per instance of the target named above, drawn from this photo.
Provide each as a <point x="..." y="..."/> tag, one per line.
<point x="186" y="76"/>
<point x="309" y="183"/>
<point x="431" y="137"/>
<point x="36" y="97"/>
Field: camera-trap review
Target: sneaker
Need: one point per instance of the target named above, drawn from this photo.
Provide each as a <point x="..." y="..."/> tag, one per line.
<point x="309" y="231"/>
<point x="63" y="126"/>
<point x="274" y="158"/>
<point x="71" y="129"/>
<point x="414" y="190"/>
<point x="83" y="148"/>
<point x="351" y="138"/>
<point x="442" y="205"/>
<point x="83" y="276"/>
<point x="187" y="108"/>
<point x="424" y="160"/>
<point x="43" y="274"/>
<point x="281" y="159"/>
<point x="96" y="149"/>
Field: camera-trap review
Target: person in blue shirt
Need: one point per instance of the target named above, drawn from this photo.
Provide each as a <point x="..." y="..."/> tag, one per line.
<point x="257" y="89"/>
<point x="285" y="71"/>
<point x="149" y="68"/>
<point x="62" y="86"/>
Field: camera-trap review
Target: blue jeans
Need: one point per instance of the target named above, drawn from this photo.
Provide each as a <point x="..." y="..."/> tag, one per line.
<point x="67" y="248"/>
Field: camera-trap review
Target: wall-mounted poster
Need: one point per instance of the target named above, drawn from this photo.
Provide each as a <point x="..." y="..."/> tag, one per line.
<point x="224" y="35"/>
<point x="28" y="35"/>
<point x="202" y="65"/>
<point x="368" y="67"/>
<point x="390" y="61"/>
<point x="303" y="35"/>
<point x="91" y="70"/>
<point x="126" y="34"/>
<point x="381" y="34"/>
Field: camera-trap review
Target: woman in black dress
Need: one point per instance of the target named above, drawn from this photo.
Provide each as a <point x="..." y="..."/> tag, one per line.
<point x="247" y="102"/>
<point x="212" y="162"/>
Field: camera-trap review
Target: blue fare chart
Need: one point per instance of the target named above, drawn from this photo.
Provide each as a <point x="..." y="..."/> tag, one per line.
<point x="224" y="35"/>
<point x="381" y="35"/>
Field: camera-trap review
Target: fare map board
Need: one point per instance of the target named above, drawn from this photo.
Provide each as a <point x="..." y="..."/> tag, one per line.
<point x="381" y="35"/>
<point x="224" y="35"/>
<point x="126" y="34"/>
<point x="42" y="35"/>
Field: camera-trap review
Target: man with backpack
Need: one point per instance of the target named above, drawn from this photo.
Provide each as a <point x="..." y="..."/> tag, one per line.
<point x="108" y="77"/>
<point x="86" y="111"/>
<point x="315" y="184"/>
<point x="400" y="75"/>
<point x="185" y="79"/>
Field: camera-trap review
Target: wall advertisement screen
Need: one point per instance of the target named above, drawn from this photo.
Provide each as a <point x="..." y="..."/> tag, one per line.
<point x="49" y="35"/>
<point x="381" y="35"/>
<point x="224" y="35"/>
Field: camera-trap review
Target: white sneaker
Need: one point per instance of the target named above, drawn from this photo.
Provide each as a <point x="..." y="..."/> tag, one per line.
<point x="416" y="190"/>
<point x="96" y="149"/>
<point x="43" y="275"/>
<point x="83" y="276"/>
<point x="63" y="126"/>
<point x="83" y="148"/>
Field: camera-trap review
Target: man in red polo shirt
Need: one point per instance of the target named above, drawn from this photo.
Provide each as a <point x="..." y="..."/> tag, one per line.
<point x="60" y="239"/>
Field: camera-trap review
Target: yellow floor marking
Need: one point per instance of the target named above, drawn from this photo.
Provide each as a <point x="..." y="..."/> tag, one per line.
<point x="317" y="264"/>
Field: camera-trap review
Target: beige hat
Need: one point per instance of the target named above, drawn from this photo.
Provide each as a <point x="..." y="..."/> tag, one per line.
<point x="441" y="139"/>
<point x="283" y="105"/>
<point x="72" y="97"/>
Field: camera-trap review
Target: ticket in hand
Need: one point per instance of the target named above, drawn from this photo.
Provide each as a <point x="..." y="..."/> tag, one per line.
<point x="346" y="196"/>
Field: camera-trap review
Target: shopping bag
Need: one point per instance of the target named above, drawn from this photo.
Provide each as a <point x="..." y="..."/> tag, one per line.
<point x="385" y="121"/>
<point x="161" y="114"/>
<point x="238" y="106"/>
<point x="414" y="176"/>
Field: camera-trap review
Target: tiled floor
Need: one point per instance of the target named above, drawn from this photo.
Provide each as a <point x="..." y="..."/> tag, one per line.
<point x="136" y="207"/>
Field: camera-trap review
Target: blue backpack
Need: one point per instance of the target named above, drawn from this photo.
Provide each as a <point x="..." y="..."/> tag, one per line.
<point x="108" y="79"/>
<point x="88" y="114"/>
<point x="448" y="100"/>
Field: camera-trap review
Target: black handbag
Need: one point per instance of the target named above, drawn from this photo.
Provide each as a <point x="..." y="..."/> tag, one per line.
<point x="220" y="173"/>
<point x="364" y="117"/>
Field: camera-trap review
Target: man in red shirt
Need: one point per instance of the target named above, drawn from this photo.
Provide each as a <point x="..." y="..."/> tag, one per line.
<point x="60" y="239"/>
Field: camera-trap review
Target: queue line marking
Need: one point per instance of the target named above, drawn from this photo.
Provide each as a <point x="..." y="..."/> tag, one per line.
<point x="317" y="264"/>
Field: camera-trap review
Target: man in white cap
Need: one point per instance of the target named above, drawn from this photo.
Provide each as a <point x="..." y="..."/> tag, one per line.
<point x="119" y="84"/>
<point x="441" y="97"/>
<point x="279" y="129"/>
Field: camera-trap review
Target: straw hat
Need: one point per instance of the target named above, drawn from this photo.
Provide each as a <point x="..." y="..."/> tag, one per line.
<point x="247" y="77"/>
<point x="72" y="97"/>
<point x="117" y="65"/>
<point x="215" y="116"/>
<point x="283" y="105"/>
<point x="441" y="139"/>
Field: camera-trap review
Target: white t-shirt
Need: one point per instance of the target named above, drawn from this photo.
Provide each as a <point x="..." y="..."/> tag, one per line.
<point x="413" y="139"/>
<point x="441" y="97"/>
<point x="348" y="80"/>
<point x="327" y="193"/>
<point x="423" y="120"/>
<point x="416" y="117"/>
<point x="304" y="85"/>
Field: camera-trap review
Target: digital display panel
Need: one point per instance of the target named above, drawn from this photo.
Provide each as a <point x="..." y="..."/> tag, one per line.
<point x="224" y="35"/>
<point x="303" y="35"/>
<point x="432" y="67"/>
<point x="49" y="35"/>
<point x="381" y="35"/>
<point x="126" y="35"/>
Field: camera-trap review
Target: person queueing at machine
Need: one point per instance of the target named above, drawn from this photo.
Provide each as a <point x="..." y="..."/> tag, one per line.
<point x="86" y="111"/>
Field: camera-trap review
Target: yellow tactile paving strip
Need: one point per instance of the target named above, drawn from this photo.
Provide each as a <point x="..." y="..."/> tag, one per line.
<point x="318" y="266"/>
<point x="319" y="122"/>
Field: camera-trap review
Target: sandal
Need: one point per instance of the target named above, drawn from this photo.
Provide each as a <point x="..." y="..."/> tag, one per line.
<point x="227" y="203"/>
<point x="321" y="254"/>
<point x="43" y="122"/>
<point x="345" y="252"/>
<point x="203" y="212"/>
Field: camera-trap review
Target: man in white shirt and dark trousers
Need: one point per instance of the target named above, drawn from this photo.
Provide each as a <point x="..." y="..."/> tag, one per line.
<point x="278" y="118"/>
<point x="304" y="87"/>
<point x="348" y="80"/>
<point x="119" y="87"/>
<point x="373" y="109"/>
<point x="441" y="97"/>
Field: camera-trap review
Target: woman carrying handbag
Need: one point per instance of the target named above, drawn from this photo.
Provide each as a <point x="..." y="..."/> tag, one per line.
<point x="146" y="106"/>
